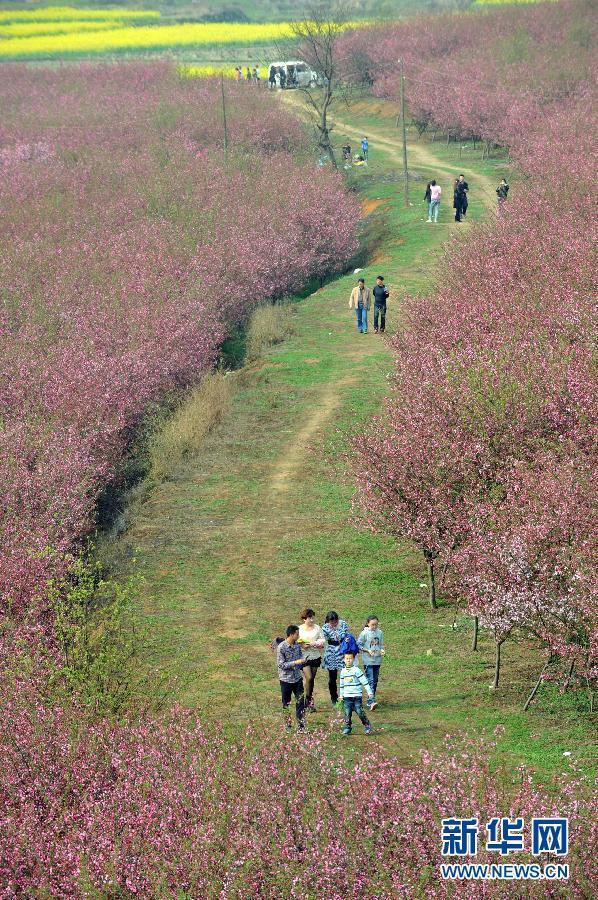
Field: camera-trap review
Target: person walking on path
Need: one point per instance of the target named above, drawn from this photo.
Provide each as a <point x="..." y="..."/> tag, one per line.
<point x="290" y="661"/>
<point x="501" y="192"/>
<point x="361" y="300"/>
<point x="258" y="74"/>
<point x="381" y="295"/>
<point x="365" y="146"/>
<point x="428" y="199"/>
<point x="371" y="645"/>
<point x="461" y="203"/>
<point x="435" y="194"/>
<point x="353" y="681"/>
<point x="312" y="641"/>
<point x="334" y="630"/>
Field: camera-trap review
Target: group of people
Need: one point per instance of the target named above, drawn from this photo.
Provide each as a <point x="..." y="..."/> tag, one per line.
<point x="460" y="202"/>
<point x="360" y="159"/>
<point x="309" y="646"/>
<point x="280" y="78"/>
<point x="251" y="75"/>
<point x="361" y="301"/>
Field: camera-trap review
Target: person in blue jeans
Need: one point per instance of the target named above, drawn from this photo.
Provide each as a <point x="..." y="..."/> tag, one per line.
<point x="381" y="295"/>
<point x="361" y="300"/>
<point x="371" y="645"/>
<point x="365" y="146"/>
<point x="352" y="683"/>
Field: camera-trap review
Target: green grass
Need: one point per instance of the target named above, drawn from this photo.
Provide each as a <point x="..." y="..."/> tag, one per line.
<point x="258" y="525"/>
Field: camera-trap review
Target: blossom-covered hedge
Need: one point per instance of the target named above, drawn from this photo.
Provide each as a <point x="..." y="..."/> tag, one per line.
<point x="130" y="244"/>
<point x="173" y="810"/>
<point x="488" y="440"/>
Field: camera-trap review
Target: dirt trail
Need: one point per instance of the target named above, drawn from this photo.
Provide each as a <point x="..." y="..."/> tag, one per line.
<point x="285" y="468"/>
<point x="256" y="527"/>
<point x="420" y="154"/>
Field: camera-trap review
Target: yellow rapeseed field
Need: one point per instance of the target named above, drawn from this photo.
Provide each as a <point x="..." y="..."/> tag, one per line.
<point x="206" y="71"/>
<point x="131" y="38"/>
<point x="71" y="13"/>
<point x="31" y="29"/>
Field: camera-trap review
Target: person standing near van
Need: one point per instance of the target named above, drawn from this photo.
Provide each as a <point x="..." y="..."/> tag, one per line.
<point x="272" y="78"/>
<point x="361" y="300"/>
<point x="381" y="295"/>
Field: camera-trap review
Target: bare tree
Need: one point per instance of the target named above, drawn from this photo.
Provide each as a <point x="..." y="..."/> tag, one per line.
<point x="317" y="43"/>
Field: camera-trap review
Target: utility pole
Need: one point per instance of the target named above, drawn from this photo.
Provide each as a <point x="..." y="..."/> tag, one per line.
<point x="405" y="170"/>
<point x="224" y="113"/>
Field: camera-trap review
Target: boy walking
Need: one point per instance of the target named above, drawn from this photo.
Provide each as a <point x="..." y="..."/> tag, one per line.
<point x="371" y="644"/>
<point x="360" y="300"/>
<point x="351" y="687"/>
<point x="290" y="661"/>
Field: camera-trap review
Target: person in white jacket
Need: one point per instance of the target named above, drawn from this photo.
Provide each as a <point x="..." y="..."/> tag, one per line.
<point x="312" y="641"/>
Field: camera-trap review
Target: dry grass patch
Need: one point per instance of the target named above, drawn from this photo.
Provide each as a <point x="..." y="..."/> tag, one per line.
<point x="184" y="433"/>
<point x="268" y="325"/>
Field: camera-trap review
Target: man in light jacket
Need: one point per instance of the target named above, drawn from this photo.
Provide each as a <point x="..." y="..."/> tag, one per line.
<point x="360" y="301"/>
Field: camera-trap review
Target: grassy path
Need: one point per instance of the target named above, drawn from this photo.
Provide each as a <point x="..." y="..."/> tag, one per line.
<point x="257" y="527"/>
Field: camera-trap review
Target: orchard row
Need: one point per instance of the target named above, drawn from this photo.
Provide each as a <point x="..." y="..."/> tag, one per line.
<point x="485" y="455"/>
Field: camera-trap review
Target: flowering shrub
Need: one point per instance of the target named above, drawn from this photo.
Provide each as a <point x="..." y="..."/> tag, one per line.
<point x="485" y="455"/>
<point x="490" y="75"/>
<point x="130" y="245"/>
<point x="173" y="810"/>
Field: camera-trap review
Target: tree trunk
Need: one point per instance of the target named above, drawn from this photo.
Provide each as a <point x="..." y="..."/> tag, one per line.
<point x="569" y="676"/>
<point x="443" y="573"/>
<point x="497" y="665"/>
<point x="476" y="625"/>
<point x="325" y="142"/>
<point x="537" y="685"/>
<point x="432" y="584"/>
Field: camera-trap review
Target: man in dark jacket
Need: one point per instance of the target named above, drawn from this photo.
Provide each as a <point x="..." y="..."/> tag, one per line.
<point x="380" y="293"/>
<point x="501" y="191"/>
<point x="460" y="204"/>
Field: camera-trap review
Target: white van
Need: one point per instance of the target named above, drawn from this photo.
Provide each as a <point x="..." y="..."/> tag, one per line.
<point x="296" y="74"/>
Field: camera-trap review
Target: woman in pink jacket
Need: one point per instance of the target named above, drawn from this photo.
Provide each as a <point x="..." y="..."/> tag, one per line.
<point x="435" y="194"/>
